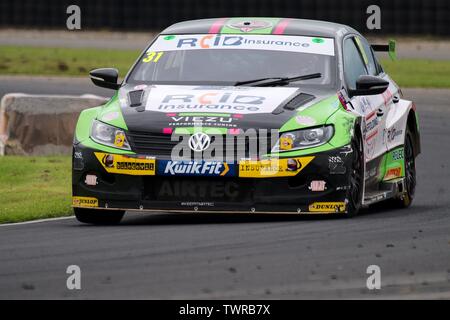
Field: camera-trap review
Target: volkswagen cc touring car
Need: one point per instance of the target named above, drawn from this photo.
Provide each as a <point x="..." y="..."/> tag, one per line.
<point x="247" y="115"/>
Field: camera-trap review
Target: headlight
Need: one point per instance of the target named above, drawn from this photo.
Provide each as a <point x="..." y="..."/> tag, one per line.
<point x="108" y="135"/>
<point x="305" y="138"/>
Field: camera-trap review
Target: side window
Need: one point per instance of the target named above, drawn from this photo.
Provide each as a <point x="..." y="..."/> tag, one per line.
<point x="368" y="56"/>
<point x="353" y="63"/>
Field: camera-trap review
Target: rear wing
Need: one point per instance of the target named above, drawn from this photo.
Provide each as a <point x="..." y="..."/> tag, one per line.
<point x="390" y="48"/>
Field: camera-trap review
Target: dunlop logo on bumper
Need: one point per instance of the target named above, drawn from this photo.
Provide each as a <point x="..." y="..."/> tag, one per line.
<point x="327" y="207"/>
<point x="272" y="167"/>
<point x="84" y="202"/>
<point x="120" y="164"/>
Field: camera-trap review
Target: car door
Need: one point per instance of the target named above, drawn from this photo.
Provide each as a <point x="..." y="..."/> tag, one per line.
<point x="373" y="109"/>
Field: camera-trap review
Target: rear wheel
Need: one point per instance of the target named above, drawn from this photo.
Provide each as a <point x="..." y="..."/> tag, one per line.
<point x="354" y="195"/>
<point x="405" y="200"/>
<point x="97" y="216"/>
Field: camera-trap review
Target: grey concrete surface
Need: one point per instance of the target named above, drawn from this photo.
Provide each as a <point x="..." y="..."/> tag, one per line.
<point x="269" y="257"/>
<point x="50" y="85"/>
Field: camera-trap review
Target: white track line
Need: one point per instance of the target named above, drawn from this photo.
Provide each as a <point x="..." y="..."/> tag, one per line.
<point x="35" y="221"/>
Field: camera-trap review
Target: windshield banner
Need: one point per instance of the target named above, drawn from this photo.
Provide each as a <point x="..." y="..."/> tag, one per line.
<point x="301" y="44"/>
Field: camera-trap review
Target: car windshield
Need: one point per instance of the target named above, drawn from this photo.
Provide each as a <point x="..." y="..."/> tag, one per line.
<point x="229" y="59"/>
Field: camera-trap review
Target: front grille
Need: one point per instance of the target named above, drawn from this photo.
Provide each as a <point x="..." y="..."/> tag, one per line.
<point x="232" y="147"/>
<point x="154" y="144"/>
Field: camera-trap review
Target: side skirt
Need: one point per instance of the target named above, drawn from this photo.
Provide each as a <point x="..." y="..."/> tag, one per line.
<point x="390" y="190"/>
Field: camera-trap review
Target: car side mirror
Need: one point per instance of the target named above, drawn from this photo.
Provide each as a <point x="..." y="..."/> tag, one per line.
<point x="369" y="85"/>
<point x="105" y="78"/>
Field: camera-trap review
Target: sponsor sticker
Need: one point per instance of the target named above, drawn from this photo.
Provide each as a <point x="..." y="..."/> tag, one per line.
<point x="91" y="180"/>
<point x="371" y="173"/>
<point x="397" y="154"/>
<point x="121" y="164"/>
<point x="287" y="142"/>
<point x="326" y="207"/>
<point x="393" y="133"/>
<point x="299" y="44"/>
<point x="370" y="133"/>
<point x="119" y="139"/>
<point x="110" y="116"/>
<point x="201" y="119"/>
<point x="305" y="120"/>
<point x="197" y="204"/>
<point x="194" y="190"/>
<point x="190" y="99"/>
<point x="88" y="202"/>
<point x="365" y="104"/>
<point x="336" y="165"/>
<point x="393" y="173"/>
<point x="371" y="123"/>
<point x="272" y="167"/>
<point x="195" y="168"/>
<point x="317" y="185"/>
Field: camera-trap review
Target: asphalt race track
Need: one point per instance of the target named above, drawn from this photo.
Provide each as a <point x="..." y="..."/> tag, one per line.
<point x="273" y="257"/>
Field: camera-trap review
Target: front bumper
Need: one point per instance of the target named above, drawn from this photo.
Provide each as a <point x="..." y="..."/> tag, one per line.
<point x="231" y="193"/>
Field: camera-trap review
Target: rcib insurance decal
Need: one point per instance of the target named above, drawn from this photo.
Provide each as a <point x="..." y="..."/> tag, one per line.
<point x="272" y="167"/>
<point x="298" y="44"/>
<point x="121" y="164"/>
<point x="234" y="100"/>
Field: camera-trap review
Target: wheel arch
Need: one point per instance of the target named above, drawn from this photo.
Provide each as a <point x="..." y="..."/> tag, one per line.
<point x="412" y="125"/>
<point x="358" y="126"/>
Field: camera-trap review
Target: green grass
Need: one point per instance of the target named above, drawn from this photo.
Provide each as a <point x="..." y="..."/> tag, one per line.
<point x="34" y="188"/>
<point x="62" y="61"/>
<point x="419" y="73"/>
<point x="79" y="61"/>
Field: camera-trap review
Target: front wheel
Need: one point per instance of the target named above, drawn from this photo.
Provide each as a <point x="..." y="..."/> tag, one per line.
<point x="97" y="216"/>
<point x="355" y="194"/>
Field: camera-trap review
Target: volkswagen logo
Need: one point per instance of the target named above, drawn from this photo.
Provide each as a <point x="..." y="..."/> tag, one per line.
<point x="199" y="142"/>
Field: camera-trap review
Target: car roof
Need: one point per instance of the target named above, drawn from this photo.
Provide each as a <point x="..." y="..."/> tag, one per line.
<point x="261" y="25"/>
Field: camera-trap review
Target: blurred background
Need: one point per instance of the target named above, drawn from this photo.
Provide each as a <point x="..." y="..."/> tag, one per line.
<point x="399" y="17"/>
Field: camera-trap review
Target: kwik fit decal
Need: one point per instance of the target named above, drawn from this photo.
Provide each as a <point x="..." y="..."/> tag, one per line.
<point x="195" y="168"/>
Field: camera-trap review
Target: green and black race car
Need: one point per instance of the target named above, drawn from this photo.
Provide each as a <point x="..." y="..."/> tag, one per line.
<point x="248" y="115"/>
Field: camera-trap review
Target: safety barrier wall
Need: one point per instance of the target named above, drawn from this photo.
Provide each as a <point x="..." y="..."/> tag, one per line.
<point x="40" y="124"/>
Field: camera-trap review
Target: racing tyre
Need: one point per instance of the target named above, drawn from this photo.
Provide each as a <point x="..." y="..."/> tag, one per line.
<point x="410" y="174"/>
<point x="355" y="193"/>
<point x="102" y="217"/>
